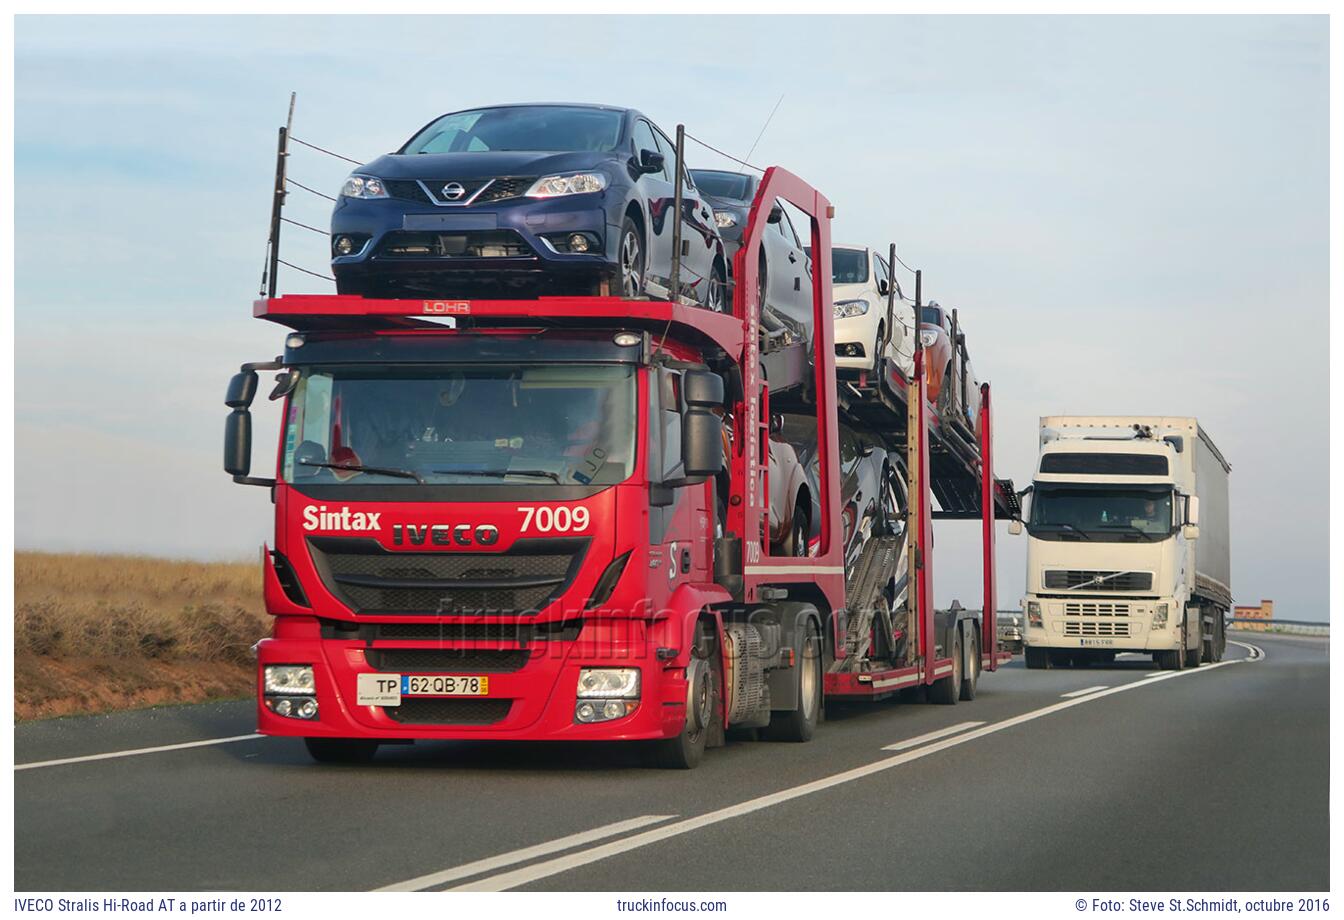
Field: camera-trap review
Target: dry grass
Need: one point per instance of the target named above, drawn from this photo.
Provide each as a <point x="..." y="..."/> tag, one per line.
<point x="95" y="632"/>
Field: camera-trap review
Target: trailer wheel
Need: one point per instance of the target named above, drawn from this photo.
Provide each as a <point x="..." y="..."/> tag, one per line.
<point x="687" y="748"/>
<point x="801" y="724"/>
<point x="945" y="690"/>
<point x="341" y="750"/>
<point x="1037" y="658"/>
<point x="971" y="677"/>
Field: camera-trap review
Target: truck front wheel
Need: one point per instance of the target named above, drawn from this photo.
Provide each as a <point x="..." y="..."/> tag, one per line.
<point x="687" y="749"/>
<point x="1038" y="659"/>
<point x="341" y="750"/>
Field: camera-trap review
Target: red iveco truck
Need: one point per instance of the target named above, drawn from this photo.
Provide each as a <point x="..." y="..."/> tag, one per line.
<point x="515" y="519"/>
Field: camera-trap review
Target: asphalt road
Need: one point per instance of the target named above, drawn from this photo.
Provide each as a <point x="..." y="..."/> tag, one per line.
<point x="1207" y="780"/>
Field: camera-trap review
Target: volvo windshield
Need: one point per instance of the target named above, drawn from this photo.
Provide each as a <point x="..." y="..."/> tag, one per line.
<point x="1127" y="514"/>
<point x="484" y="425"/>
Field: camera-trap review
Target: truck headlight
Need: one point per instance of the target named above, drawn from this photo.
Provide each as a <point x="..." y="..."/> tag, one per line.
<point x="288" y="678"/>
<point x="1033" y="613"/>
<point x="363" y="187"/>
<point x="609" y="683"/>
<point x="1160" y="616"/>
<point x="846" y="308"/>
<point x="573" y="184"/>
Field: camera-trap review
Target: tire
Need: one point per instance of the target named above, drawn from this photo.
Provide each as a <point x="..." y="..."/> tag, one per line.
<point x="1219" y="636"/>
<point x="687" y="748"/>
<point x="971" y="679"/>
<point x="717" y="295"/>
<point x="877" y="350"/>
<point x="799" y="725"/>
<point x="1060" y="659"/>
<point x="632" y="261"/>
<point x="945" y="690"/>
<point x="341" y="750"/>
<point x="1169" y="660"/>
<point x="1193" y="656"/>
<point x="1037" y="658"/>
<point x="797" y="545"/>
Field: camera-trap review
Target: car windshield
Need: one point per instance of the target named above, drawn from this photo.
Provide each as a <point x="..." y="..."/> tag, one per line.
<point x="931" y="316"/>
<point x="849" y="266"/>
<point x="1109" y="513"/>
<point x="527" y="127"/>
<point x="486" y="425"/>
<point x="723" y="184"/>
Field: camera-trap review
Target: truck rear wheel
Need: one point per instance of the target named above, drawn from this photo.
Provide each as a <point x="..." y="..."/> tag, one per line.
<point x="1037" y="658"/>
<point x="341" y="750"/>
<point x="971" y="678"/>
<point x="800" y="724"/>
<point x="945" y="690"/>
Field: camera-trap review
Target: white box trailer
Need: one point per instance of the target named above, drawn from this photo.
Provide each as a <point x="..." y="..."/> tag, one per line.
<point x="1129" y="547"/>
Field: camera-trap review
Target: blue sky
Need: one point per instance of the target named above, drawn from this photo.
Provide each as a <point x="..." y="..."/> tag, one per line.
<point x="1130" y="213"/>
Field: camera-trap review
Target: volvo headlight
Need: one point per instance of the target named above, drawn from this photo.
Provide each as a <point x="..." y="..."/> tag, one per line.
<point x="1160" y="616"/>
<point x="288" y="678"/>
<point x="609" y="683"/>
<point x="1033" y="613"/>
<point x="574" y="184"/>
<point x="723" y="220"/>
<point x="363" y="187"/>
<point x="927" y="337"/>
<point x="846" y="308"/>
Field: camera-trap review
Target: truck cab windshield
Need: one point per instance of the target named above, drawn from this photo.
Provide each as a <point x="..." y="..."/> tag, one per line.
<point x="485" y="425"/>
<point x="1062" y="512"/>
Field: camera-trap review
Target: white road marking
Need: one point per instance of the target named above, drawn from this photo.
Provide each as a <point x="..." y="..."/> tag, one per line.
<point x="480" y="866"/>
<point x="931" y="736"/>
<point x="1084" y="692"/>
<point x="529" y="874"/>
<point x="112" y="755"/>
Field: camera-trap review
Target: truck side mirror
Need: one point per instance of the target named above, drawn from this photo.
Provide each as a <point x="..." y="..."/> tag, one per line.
<point x="1015" y="527"/>
<point x="1192" y="510"/>
<point x="701" y="429"/>
<point x="1190" y="531"/>
<point x="238" y="443"/>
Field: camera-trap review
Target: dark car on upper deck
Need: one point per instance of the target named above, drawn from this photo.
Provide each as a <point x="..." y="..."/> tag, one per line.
<point x="526" y="200"/>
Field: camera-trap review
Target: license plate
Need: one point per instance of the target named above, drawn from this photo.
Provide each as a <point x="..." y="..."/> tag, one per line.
<point x="388" y="689"/>
<point x="1102" y="642"/>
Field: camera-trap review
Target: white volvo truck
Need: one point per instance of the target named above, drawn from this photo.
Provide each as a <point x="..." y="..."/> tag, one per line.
<point x="1128" y="543"/>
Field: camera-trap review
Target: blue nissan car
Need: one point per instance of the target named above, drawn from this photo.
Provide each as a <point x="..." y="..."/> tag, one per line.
<point x="526" y="200"/>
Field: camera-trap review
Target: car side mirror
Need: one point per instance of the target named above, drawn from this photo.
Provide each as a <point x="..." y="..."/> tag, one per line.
<point x="651" y="161"/>
<point x="776" y="215"/>
<point x="883" y="288"/>
<point x="1015" y="527"/>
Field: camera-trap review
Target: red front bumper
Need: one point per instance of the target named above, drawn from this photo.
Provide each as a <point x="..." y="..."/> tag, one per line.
<point x="534" y="702"/>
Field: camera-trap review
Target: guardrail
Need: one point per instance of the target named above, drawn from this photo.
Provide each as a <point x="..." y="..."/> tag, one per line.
<point x="1285" y="627"/>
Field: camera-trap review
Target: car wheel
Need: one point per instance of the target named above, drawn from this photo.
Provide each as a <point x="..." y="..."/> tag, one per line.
<point x="798" y="539"/>
<point x="632" y="261"/>
<point x="718" y="289"/>
<point x="877" y="349"/>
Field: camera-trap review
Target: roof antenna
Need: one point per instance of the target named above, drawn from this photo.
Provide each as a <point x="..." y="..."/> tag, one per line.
<point x="746" y="159"/>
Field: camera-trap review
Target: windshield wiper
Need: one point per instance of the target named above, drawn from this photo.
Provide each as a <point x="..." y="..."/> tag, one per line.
<point x="1138" y="530"/>
<point x="1068" y="526"/>
<point x="361" y="468"/>
<point x="500" y="474"/>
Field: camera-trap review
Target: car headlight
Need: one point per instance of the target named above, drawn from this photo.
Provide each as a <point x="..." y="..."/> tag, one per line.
<point x="844" y="308"/>
<point x="1160" y="616"/>
<point x="363" y="187"/>
<point x="609" y="683"/>
<point x="574" y="184"/>
<point x="1033" y="613"/>
<point x="927" y="337"/>
<point x="724" y="220"/>
<point x="288" y="678"/>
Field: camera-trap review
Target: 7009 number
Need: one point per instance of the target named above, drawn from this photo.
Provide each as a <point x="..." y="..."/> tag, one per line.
<point x="554" y="518"/>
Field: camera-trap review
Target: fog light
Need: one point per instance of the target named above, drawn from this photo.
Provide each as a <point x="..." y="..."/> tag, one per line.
<point x="288" y="678"/>
<point x="308" y="709"/>
<point x="283" y="707"/>
<point x="1160" y="616"/>
<point x="578" y="242"/>
<point x="585" y="712"/>
<point x="613" y="709"/>
<point x="344" y="245"/>
<point x="1033" y="614"/>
